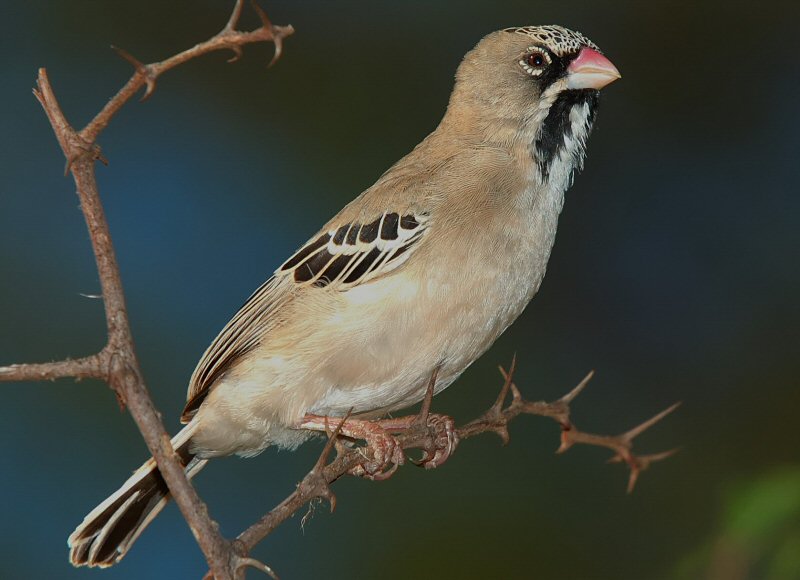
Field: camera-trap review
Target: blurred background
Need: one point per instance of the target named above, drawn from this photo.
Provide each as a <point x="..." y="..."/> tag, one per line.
<point x="675" y="276"/>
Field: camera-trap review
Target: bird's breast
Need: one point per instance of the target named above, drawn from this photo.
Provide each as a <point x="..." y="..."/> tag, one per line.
<point x="444" y="307"/>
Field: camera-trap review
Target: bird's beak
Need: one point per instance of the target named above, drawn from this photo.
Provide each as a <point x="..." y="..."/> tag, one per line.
<point x="590" y="70"/>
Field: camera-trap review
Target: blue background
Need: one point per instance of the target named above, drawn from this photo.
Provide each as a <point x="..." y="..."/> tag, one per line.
<point x="675" y="275"/>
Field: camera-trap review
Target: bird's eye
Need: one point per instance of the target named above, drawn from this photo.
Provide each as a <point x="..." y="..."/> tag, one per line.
<point x="535" y="59"/>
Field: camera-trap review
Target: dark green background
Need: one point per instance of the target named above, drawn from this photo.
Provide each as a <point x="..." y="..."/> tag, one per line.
<point x="675" y="275"/>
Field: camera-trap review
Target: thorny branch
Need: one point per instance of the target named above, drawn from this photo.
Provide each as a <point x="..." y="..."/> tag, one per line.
<point x="117" y="364"/>
<point x="316" y="484"/>
<point x="146" y="75"/>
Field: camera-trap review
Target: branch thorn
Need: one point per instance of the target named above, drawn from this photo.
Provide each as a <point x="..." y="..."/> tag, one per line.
<point x="633" y="478"/>
<point x="258" y="565"/>
<point x="316" y="474"/>
<point x="141" y="69"/>
<point x="262" y="15"/>
<point x="278" y="32"/>
<point x="639" y="429"/>
<point x="425" y="409"/>
<point x="569" y="397"/>
<point x="495" y="412"/>
<point x="233" y="21"/>
<point x="566" y="442"/>
<point x="80" y="149"/>
<point x="653" y="457"/>
<point x="507" y="384"/>
<point x="237" y="53"/>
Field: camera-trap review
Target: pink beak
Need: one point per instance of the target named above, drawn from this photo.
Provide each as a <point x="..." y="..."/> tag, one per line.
<point x="591" y="70"/>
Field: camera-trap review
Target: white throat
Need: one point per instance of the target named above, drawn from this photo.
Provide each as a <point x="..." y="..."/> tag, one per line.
<point x="556" y="157"/>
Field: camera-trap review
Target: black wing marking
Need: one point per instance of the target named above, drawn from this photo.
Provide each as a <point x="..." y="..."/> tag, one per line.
<point x="354" y="252"/>
<point x="306" y="250"/>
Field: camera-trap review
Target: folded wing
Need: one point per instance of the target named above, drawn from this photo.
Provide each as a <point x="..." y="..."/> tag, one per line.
<point x="339" y="259"/>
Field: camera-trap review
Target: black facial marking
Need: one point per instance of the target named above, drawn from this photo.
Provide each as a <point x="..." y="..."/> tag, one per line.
<point x="370" y="231"/>
<point x="389" y="229"/>
<point x="303" y="253"/>
<point x="554" y="71"/>
<point x="556" y="126"/>
<point x="363" y="266"/>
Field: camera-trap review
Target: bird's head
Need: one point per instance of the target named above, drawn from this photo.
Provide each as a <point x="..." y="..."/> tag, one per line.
<point x="535" y="83"/>
<point x="521" y="70"/>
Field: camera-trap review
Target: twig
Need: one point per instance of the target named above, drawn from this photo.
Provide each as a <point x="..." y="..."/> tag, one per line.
<point x="116" y="363"/>
<point x="90" y="367"/>
<point x="622" y="445"/>
<point x="495" y="420"/>
<point x="146" y="75"/>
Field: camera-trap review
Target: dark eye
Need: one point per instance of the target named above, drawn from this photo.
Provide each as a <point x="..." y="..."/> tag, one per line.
<point x="536" y="59"/>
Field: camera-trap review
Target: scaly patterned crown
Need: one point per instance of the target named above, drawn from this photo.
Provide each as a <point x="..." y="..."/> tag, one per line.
<point x="560" y="40"/>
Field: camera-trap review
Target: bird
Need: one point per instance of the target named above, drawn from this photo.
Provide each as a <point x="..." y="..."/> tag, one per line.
<point x="412" y="280"/>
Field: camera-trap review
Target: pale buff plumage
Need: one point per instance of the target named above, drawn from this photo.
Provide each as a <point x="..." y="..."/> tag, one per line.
<point x="484" y="210"/>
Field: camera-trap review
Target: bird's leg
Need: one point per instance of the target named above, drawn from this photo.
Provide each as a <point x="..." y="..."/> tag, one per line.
<point x="384" y="452"/>
<point x="441" y="428"/>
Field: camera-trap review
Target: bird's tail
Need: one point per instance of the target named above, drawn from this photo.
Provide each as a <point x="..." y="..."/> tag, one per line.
<point x="110" y="529"/>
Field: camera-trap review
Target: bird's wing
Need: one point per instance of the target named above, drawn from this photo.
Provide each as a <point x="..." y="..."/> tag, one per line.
<point x="354" y="253"/>
<point x="242" y="333"/>
<point x="351" y="254"/>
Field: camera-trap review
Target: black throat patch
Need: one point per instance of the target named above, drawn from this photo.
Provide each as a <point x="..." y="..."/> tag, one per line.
<point x="557" y="127"/>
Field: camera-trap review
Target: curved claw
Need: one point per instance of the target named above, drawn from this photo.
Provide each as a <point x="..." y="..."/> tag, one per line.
<point x="360" y="471"/>
<point x="383" y="455"/>
<point x="445" y="441"/>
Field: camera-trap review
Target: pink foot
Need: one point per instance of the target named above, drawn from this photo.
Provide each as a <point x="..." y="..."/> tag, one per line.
<point x="445" y="440"/>
<point x="382" y="452"/>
